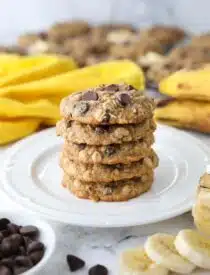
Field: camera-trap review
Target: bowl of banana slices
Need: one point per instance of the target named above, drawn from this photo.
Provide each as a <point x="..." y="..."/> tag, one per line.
<point x="183" y="253"/>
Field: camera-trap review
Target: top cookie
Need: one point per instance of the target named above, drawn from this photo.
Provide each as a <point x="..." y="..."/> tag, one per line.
<point x="108" y="104"/>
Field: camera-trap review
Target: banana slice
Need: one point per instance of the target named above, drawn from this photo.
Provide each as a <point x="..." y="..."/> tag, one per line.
<point x="201" y="215"/>
<point x="161" y="249"/>
<point x="136" y="262"/>
<point x="191" y="245"/>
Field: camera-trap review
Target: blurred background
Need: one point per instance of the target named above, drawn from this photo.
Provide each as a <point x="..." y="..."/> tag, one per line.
<point x="23" y="15"/>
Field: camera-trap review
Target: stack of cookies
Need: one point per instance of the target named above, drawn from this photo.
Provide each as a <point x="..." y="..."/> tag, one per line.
<point x="108" y="132"/>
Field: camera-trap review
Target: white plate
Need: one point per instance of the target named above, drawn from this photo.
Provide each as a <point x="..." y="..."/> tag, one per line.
<point x="32" y="178"/>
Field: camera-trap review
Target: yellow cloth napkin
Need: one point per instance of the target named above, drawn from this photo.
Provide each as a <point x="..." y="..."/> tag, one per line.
<point x="26" y="103"/>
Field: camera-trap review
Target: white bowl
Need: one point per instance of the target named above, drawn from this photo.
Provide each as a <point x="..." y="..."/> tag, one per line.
<point x="46" y="234"/>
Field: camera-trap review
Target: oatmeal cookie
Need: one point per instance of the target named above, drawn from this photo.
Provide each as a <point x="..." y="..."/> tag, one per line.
<point x="76" y="132"/>
<point x="107" y="173"/>
<point x="113" y="191"/>
<point x="108" y="104"/>
<point x="110" y="154"/>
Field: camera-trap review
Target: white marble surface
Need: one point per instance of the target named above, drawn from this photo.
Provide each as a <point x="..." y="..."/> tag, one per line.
<point x="101" y="245"/>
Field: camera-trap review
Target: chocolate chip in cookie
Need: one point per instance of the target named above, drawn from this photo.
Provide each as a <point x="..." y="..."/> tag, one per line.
<point x="124" y="99"/>
<point x="102" y="129"/>
<point x="81" y="108"/>
<point x="110" y="150"/>
<point x="90" y="96"/>
<point x="112" y="87"/>
<point x="106" y="117"/>
<point x="81" y="146"/>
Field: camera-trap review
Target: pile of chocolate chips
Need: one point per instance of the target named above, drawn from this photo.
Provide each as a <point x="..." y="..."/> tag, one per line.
<point x="20" y="248"/>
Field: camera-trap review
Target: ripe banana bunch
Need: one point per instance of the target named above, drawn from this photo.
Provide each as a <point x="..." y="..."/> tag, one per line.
<point x="201" y="209"/>
<point x="163" y="253"/>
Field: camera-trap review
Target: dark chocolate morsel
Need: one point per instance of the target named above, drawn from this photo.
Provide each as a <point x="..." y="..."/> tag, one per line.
<point x="3" y="224"/>
<point x="90" y="96"/>
<point x="74" y="262"/>
<point x="36" y="256"/>
<point x="13" y="228"/>
<point x="102" y="129"/>
<point x="110" y="150"/>
<point x="4" y="270"/>
<point x="106" y="117"/>
<point x="29" y="230"/>
<point x="112" y="87"/>
<point x="98" y="270"/>
<point x="81" y="108"/>
<point x="124" y="99"/>
<point x="20" y="269"/>
<point x="23" y="261"/>
<point x="9" y="262"/>
<point x="34" y="246"/>
<point x="81" y="146"/>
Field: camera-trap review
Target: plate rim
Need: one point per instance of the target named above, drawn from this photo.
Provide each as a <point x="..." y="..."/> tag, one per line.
<point x="74" y="218"/>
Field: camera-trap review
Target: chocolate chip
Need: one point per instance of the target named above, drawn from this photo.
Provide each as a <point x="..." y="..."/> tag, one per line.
<point x="26" y="241"/>
<point x="36" y="256"/>
<point x="34" y="246"/>
<point x="13" y="228"/>
<point x="74" y="262"/>
<point x="112" y="87"/>
<point x="68" y="124"/>
<point x="9" y="262"/>
<point x="102" y="129"/>
<point x="118" y="166"/>
<point x="110" y="150"/>
<point x="4" y="270"/>
<point x="3" y="224"/>
<point x="124" y="99"/>
<point x="19" y="270"/>
<point x="106" y="117"/>
<point x="90" y="96"/>
<point x="22" y="250"/>
<point x="98" y="270"/>
<point x="81" y="146"/>
<point x="1" y="237"/>
<point x="6" y="247"/>
<point x="129" y="87"/>
<point x="23" y="261"/>
<point x="43" y="35"/>
<point x="29" y="231"/>
<point x="81" y="108"/>
<point x="16" y="239"/>
<point x="5" y="233"/>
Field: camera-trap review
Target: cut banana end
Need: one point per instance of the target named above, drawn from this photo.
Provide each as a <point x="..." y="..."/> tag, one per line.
<point x="161" y="249"/>
<point x="191" y="245"/>
<point x="136" y="262"/>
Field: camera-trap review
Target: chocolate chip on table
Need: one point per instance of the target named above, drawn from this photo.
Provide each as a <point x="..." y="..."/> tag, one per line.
<point x="124" y="99"/>
<point x="98" y="270"/>
<point x="3" y="224"/>
<point x="109" y="150"/>
<point x="4" y="270"/>
<point x="35" y="246"/>
<point x="74" y="262"/>
<point x="81" y="108"/>
<point x="90" y="96"/>
<point x="36" y="256"/>
<point x="29" y="231"/>
<point x="112" y="87"/>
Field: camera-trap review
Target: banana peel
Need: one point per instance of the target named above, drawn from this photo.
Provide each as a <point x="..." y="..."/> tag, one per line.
<point x="76" y="80"/>
<point x="28" y="69"/>
<point x="193" y="85"/>
<point x="187" y="114"/>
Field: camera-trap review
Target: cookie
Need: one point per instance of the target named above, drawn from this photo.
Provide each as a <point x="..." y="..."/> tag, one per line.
<point x="61" y="31"/>
<point x="108" y="104"/>
<point x="113" y="191"/>
<point x="110" y="154"/>
<point x="76" y="132"/>
<point x="28" y="39"/>
<point x="107" y="173"/>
